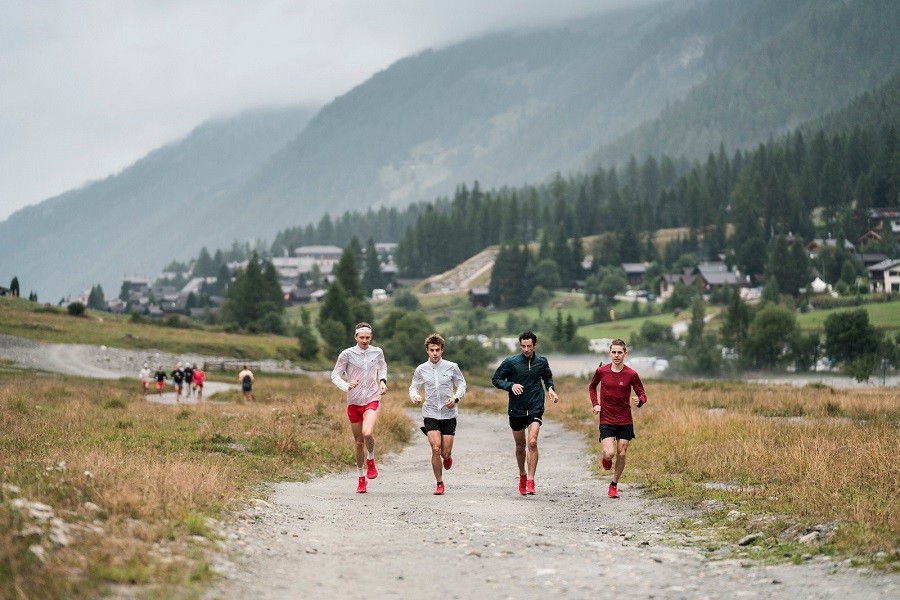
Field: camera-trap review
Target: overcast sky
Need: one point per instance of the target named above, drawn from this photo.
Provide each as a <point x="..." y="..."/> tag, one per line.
<point x="87" y="87"/>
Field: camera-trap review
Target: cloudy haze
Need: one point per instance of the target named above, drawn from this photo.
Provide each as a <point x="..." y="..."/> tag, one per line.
<point x="90" y="86"/>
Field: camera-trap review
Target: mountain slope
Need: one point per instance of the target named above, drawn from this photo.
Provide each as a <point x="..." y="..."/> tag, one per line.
<point x="501" y="109"/>
<point x="138" y="220"/>
<point x="823" y="54"/>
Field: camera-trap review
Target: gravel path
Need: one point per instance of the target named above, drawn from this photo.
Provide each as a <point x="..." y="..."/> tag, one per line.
<point x="482" y="539"/>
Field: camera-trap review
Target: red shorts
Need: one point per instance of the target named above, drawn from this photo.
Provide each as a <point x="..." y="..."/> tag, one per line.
<point x="145" y="384"/>
<point x="355" y="411"/>
<point x="160" y="385"/>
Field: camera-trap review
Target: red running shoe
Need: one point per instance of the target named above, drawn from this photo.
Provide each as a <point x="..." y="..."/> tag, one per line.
<point x="439" y="490"/>
<point x="371" y="471"/>
<point x="529" y="487"/>
<point x="448" y="462"/>
<point x="522" y="484"/>
<point x="607" y="463"/>
<point x="613" y="492"/>
<point x="361" y="486"/>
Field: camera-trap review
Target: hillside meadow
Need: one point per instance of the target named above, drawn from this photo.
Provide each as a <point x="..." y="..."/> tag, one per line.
<point x="51" y="324"/>
<point x="98" y="488"/>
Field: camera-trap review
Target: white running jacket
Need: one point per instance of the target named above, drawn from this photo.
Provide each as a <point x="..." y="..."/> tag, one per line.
<point x="367" y="366"/>
<point x="439" y="380"/>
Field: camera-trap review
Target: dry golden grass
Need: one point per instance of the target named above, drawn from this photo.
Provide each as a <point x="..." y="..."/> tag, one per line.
<point x="132" y="483"/>
<point x="807" y="456"/>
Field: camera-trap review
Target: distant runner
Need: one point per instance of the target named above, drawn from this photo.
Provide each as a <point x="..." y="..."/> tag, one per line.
<point x="145" y="380"/>
<point x="178" y="381"/>
<point x="160" y="380"/>
<point x="198" y="380"/>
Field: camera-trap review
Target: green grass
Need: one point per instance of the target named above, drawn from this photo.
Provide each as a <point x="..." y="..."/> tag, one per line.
<point x="883" y="315"/>
<point x="35" y="321"/>
<point x="624" y="328"/>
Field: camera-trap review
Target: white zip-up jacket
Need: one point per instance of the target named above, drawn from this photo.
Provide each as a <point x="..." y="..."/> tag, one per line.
<point x="439" y="380"/>
<point x="366" y="366"/>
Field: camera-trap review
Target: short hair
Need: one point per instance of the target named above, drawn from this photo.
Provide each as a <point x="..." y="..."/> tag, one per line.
<point x="528" y="335"/>
<point x="434" y="338"/>
<point x="618" y="342"/>
<point x="362" y="324"/>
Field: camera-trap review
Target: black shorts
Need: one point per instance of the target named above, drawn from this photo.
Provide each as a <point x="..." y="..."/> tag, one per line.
<point x="445" y="426"/>
<point x="520" y="423"/>
<point x="620" y="432"/>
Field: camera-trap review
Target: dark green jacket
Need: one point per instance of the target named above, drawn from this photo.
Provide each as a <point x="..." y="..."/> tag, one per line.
<point x="529" y="373"/>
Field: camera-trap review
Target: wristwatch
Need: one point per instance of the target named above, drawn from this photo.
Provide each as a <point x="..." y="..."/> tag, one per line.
<point x="455" y="400"/>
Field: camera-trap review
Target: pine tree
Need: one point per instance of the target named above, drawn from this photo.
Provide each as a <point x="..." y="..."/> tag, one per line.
<point x="372" y="278"/>
<point x="562" y="255"/>
<point x="335" y="308"/>
<point x="204" y="265"/>
<point x="348" y="274"/>
<point x="306" y="336"/>
<point x="254" y="300"/>
<point x="96" y="299"/>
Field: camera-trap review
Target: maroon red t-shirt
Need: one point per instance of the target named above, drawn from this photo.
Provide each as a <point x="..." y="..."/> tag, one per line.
<point x="615" y="391"/>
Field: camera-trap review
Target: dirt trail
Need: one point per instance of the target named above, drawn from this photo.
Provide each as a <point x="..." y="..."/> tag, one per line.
<point x="483" y="540"/>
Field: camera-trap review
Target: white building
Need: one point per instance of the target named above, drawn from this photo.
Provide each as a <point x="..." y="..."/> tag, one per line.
<point x="885" y="276"/>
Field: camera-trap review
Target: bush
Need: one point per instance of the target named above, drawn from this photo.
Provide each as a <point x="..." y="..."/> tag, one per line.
<point x="76" y="309"/>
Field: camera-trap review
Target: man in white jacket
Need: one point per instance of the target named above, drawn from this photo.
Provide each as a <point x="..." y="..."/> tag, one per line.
<point x="439" y="412"/>
<point x="361" y="371"/>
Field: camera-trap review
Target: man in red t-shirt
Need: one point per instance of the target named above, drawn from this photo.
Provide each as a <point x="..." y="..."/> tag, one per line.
<point x="616" y="381"/>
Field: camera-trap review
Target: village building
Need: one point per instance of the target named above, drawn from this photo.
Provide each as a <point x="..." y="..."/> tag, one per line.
<point x="885" y="276"/>
<point x="479" y="297"/>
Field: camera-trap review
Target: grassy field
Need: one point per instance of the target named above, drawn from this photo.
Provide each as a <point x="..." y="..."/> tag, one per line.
<point x="129" y="491"/>
<point x="98" y="488"/>
<point x="883" y="315"/>
<point x="50" y="324"/>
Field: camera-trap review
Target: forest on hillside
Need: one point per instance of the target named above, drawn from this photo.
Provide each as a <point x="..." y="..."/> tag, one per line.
<point x="810" y="183"/>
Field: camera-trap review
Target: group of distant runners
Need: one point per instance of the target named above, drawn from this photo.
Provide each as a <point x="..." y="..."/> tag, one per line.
<point x="186" y="377"/>
<point x="361" y="372"/>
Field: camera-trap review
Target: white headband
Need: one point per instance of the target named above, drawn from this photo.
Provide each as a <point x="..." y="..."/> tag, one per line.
<point x="364" y="330"/>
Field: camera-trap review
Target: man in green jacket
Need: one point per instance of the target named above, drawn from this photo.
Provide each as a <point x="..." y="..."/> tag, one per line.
<point x="524" y="376"/>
